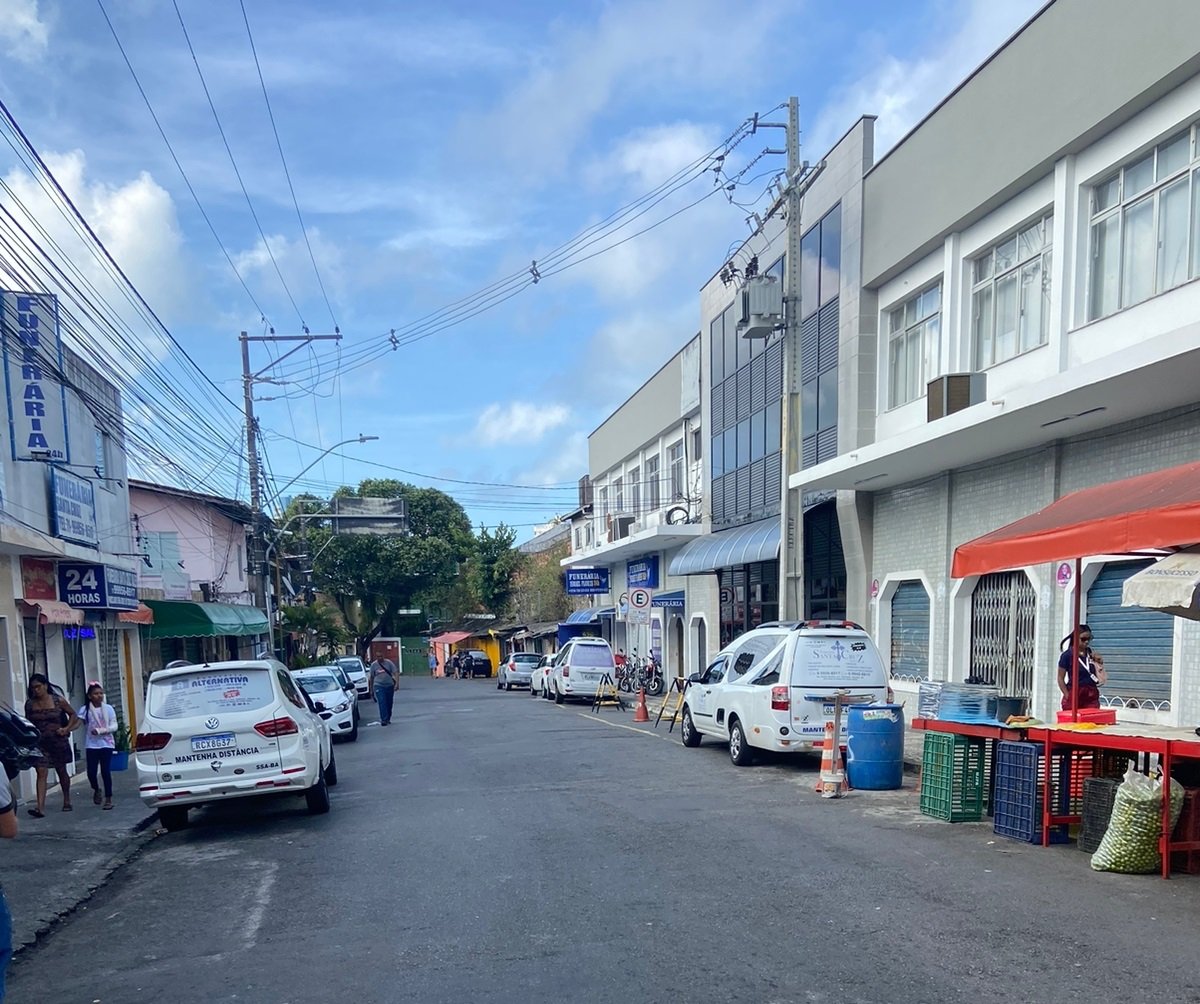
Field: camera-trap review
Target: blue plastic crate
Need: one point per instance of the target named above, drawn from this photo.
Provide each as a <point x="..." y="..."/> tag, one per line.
<point x="1017" y="805"/>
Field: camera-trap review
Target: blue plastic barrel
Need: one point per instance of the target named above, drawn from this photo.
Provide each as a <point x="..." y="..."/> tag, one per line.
<point x="875" y="746"/>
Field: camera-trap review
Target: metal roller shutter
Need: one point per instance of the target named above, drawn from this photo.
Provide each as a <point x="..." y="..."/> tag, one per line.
<point x="1136" y="643"/>
<point x="910" y="632"/>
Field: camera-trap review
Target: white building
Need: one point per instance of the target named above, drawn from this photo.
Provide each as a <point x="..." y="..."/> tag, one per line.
<point x="1040" y="231"/>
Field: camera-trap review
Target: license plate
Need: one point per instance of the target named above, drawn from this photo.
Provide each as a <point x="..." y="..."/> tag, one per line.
<point x="220" y="741"/>
<point x="829" y="709"/>
<point x="589" y="677"/>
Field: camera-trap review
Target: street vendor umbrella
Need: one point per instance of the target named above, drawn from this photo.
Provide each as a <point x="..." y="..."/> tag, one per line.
<point x="1171" y="584"/>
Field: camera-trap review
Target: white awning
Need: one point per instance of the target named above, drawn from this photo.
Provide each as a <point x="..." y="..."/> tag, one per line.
<point x="1171" y="584"/>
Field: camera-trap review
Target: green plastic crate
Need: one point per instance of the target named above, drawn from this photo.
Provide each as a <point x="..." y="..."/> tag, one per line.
<point x="952" y="777"/>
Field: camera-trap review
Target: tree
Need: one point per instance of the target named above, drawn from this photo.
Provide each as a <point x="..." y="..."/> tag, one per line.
<point x="319" y="627"/>
<point x="493" y="566"/>
<point x="538" y="593"/>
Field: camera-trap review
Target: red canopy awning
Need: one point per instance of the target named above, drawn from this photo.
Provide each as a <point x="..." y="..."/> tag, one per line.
<point x="141" y="615"/>
<point x="52" y="612"/>
<point x="449" y="637"/>
<point x="1158" y="510"/>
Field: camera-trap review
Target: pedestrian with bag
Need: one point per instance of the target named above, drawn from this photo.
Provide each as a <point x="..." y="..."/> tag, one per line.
<point x="385" y="679"/>
<point x="54" y="719"/>
<point x="99" y="729"/>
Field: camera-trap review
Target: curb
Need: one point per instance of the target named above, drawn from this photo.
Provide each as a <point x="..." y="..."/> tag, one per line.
<point x="140" y="835"/>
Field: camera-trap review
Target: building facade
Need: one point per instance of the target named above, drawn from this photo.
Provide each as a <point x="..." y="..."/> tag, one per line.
<point x="1029" y="256"/>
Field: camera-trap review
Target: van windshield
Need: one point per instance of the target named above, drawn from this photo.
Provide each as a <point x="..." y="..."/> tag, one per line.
<point x="592" y="656"/>
<point x="210" y="692"/>
<point x="837" y="661"/>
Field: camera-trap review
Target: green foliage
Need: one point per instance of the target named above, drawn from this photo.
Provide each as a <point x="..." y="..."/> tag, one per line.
<point x="123" y="737"/>
<point x="538" y="591"/>
<point x="319" y="626"/>
<point x="493" y="566"/>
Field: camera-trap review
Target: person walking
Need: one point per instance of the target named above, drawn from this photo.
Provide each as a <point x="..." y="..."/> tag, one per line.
<point x="456" y="665"/>
<point x="54" y="718"/>
<point x="99" y="729"/>
<point x="385" y="678"/>
<point x="1090" y="677"/>
<point x="432" y="662"/>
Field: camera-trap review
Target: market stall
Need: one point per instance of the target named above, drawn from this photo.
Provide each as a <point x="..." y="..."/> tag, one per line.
<point x="1153" y="514"/>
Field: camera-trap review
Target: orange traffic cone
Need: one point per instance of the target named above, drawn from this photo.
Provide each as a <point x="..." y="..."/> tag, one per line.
<point x="833" y="777"/>
<point x="640" y="713"/>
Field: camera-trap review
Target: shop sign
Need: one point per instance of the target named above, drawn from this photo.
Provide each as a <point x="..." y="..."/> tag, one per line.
<point x="587" y="581"/>
<point x="37" y="579"/>
<point x="642" y="572"/>
<point x="97" y="587"/>
<point x="37" y="400"/>
<point x="78" y="632"/>
<point x="74" y="510"/>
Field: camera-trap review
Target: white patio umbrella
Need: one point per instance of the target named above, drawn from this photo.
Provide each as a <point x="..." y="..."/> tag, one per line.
<point x="1171" y="584"/>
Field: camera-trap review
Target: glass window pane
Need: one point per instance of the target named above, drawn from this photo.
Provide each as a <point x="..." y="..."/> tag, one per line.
<point x="932" y="347"/>
<point x="758" y="434"/>
<point x="827" y="403"/>
<point x="1138" y="177"/>
<point x="896" y="321"/>
<point x="731" y="340"/>
<point x="718" y="457"/>
<point x="983" y="267"/>
<point x="731" y="454"/>
<point x="831" y="254"/>
<point x="743" y="442"/>
<point x="1138" y="253"/>
<point x="1195" y="222"/>
<point x="981" y="326"/>
<point x="897" y="373"/>
<point x="1006" y="254"/>
<point x="1033" y="306"/>
<point x="774" y="432"/>
<point x="810" y="269"/>
<point x="1106" y="267"/>
<point x="1173" y="205"/>
<point x="1006" y="318"/>
<point x="1031" y="240"/>
<point x="717" y="338"/>
<point x="931" y="301"/>
<point x="808" y="408"/>
<point x="1106" y="194"/>
<point x="1173" y="155"/>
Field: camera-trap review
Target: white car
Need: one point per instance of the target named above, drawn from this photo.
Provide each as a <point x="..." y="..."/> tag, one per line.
<point x="580" y="667"/>
<point x="337" y="707"/>
<point x="517" y="670"/>
<point x="773" y="688"/>
<point x="357" y="672"/>
<point x="229" y="730"/>
<point x="539" y="679"/>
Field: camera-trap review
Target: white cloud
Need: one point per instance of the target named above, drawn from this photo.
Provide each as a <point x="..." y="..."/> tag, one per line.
<point x="23" y="34"/>
<point x="518" y="422"/>
<point x="565" y="460"/>
<point x="901" y="91"/>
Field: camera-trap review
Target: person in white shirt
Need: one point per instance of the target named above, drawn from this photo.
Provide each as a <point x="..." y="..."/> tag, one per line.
<point x="99" y="728"/>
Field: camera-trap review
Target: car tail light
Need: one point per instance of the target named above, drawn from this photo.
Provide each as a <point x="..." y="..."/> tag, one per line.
<point x="566" y="670"/>
<point x="148" y="742"/>
<point x="781" y="700"/>
<point x="277" y="727"/>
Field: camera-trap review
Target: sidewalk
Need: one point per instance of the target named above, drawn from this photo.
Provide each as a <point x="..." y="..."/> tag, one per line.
<point x="57" y="862"/>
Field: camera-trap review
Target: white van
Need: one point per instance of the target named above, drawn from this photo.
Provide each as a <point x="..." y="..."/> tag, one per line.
<point x="228" y="730"/>
<point x="780" y="699"/>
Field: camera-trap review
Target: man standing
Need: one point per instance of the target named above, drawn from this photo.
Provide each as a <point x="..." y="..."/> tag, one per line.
<point x="385" y="678"/>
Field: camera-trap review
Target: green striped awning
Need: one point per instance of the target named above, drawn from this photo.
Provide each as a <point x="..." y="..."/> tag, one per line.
<point x="183" y="619"/>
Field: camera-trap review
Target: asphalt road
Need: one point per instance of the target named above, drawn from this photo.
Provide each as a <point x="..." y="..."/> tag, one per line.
<point x="488" y="847"/>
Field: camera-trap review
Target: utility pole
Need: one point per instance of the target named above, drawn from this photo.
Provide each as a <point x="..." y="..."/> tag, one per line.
<point x="251" y="432"/>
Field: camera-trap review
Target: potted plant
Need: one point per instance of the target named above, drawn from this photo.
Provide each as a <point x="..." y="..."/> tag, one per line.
<point x="122" y="741"/>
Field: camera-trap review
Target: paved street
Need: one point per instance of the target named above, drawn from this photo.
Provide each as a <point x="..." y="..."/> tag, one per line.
<point x="491" y="847"/>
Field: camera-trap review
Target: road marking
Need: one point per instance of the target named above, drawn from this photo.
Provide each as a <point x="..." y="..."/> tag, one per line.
<point x="262" y="898"/>
<point x="617" y="725"/>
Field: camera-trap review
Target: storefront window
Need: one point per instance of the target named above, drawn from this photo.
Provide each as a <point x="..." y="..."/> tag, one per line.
<point x="749" y="598"/>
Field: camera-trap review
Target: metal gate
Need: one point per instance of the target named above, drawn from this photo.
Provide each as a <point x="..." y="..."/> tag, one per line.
<point x="107" y="640"/>
<point x="1003" y="637"/>
<point x="1137" y="644"/>
<point x="910" y="632"/>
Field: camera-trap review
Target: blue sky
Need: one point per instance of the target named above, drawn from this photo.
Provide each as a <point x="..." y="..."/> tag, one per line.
<point x="436" y="148"/>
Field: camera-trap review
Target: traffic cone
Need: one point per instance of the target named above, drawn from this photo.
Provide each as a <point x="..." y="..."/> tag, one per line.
<point x="641" y="713"/>
<point x="832" y="783"/>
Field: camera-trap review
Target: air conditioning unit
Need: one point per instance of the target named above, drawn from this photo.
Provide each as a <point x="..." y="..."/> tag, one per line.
<point x="761" y="307"/>
<point x="953" y="392"/>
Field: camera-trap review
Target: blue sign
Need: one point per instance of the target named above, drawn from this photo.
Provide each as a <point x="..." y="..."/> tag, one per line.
<point x="643" y="572"/>
<point x="587" y="581"/>
<point x="74" y="508"/>
<point x="37" y="400"/>
<point x="96" y="587"/>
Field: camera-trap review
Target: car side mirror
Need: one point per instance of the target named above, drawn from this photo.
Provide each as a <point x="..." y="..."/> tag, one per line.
<point x="318" y="705"/>
<point x="694" y="678"/>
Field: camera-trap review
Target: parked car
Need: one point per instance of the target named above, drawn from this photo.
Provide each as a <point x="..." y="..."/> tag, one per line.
<point x="357" y="671"/>
<point x="773" y="688"/>
<point x="337" y="707"/>
<point x="230" y="730"/>
<point x="579" y="668"/>
<point x="539" y="679"/>
<point x="480" y="663"/>
<point x="347" y="684"/>
<point x="517" y="670"/>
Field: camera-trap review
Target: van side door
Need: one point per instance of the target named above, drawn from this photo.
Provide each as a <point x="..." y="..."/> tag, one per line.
<point x="700" y="694"/>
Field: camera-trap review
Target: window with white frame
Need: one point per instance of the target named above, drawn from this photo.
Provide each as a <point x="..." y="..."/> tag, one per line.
<point x="653" y="488"/>
<point x="1145" y="226"/>
<point x="1010" y="295"/>
<point x="635" y="490"/>
<point x="697" y="445"/>
<point x="619" y="495"/>
<point x="604" y="501"/>
<point x="914" y="345"/>
<point x="675" y="461"/>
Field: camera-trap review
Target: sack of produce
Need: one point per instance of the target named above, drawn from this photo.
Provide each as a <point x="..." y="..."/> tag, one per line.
<point x="1131" y="843"/>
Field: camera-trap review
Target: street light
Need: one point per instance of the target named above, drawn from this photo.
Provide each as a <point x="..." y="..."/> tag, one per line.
<point x="321" y="456"/>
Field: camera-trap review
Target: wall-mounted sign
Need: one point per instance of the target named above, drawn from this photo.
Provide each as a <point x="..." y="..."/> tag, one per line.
<point x="73" y="508"/>
<point x="97" y="587"/>
<point x="642" y="572"/>
<point x="78" y="632"/>
<point x="587" y="581"/>
<point x="37" y="400"/>
<point x="37" y="579"/>
<point x="874" y="588"/>
<point x="1064" y="574"/>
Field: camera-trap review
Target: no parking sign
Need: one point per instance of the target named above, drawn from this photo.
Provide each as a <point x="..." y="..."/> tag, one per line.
<point x="639" y="605"/>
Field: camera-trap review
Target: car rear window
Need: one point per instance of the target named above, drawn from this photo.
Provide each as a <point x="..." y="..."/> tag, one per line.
<point x="351" y="665"/>
<point x="209" y="692"/>
<point x="592" y="656"/>
<point x="529" y="657"/>
<point x="317" y="683"/>
<point x="837" y="661"/>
